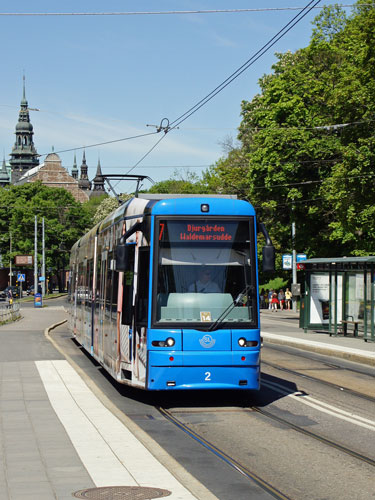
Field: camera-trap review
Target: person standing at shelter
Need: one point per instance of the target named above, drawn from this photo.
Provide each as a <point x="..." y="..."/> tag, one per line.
<point x="204" y="283"/>
<point x="288" y="298"/>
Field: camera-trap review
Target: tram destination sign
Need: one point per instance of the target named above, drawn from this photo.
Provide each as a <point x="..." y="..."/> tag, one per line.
<point x="24" y="260"/>
<point x="198" y="232"/>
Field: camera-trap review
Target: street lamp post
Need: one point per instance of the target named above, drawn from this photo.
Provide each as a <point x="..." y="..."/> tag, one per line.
<point x="294" y="266"/>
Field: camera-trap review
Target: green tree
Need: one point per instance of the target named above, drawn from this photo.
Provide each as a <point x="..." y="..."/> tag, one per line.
<point x="307" y="146"/>
<point x="65" y="221"/>
<point x="180" y="183"/>
<point x="107" y="206"/>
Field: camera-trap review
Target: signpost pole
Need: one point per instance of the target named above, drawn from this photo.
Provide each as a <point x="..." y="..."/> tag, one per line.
<point x="43" y="261"/>
<point x="10" y="260"/>
<point x="294" y="264"/>
<point x="36" y="257"/>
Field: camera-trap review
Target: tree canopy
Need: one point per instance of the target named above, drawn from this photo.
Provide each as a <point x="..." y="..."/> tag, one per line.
<point x="307" y="144"/>
<point x="65" y="220"/>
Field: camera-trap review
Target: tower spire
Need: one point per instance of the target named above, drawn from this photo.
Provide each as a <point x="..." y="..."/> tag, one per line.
<point x="84" y="182"/>
<point x="4" y="177"/>
<point x="98" y="182"/>
<point x="24" y="155"/>
<point x="75" y="169"/>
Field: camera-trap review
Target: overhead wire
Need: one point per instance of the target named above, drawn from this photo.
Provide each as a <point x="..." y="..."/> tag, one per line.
<point x="175" y="123"/>
<point x="171" y="12"/>
<point x="296" y="19"/>
<point x="102" y="143"/>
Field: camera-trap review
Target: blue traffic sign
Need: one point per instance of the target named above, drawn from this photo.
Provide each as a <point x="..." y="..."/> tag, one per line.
<point x="20" y="277"/>
<point x="301" y="257"/>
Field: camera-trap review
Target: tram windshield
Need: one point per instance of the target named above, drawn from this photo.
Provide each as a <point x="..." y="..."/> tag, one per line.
<point x="205" y="272"/>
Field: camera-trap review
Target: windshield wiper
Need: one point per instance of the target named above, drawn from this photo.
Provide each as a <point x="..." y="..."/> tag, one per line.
<point x="225" y="313"/>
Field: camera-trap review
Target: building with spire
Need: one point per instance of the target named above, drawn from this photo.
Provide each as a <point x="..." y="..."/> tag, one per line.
<point x="84" y="182"/>
<point x="4" y="176"/>
<point x="75" y="169"/>
<point x="98" y="188"/>
<point x="24" y="155"/>
<point x="24" y="164"/>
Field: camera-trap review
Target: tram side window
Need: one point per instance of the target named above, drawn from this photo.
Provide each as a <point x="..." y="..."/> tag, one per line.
<point x="80" y="285"/>
<point x="90" y="274"/>
<point x="98" y="281"/>
<point x="143" y="279"/>
<point x="114" y="292"/>
<point x="108" y="291"/>
<point x="127" y="298"/>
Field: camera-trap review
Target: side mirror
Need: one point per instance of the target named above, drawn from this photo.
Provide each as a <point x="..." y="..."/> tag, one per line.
<point x="268" y="258"/>
<point x="268" y="249"/>
<point x="122" y="249"/>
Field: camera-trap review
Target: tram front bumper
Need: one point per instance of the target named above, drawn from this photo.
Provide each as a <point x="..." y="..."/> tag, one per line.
<point x="203" y="370"/>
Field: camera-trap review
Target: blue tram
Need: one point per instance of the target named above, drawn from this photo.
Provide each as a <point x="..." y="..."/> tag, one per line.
<point x="163" y="293"/>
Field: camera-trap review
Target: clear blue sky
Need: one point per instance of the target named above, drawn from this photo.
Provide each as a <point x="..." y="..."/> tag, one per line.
<point x="101" y="78"/>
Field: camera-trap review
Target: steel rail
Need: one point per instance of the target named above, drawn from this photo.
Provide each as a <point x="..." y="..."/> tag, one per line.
<point x="223" y="456"/>
<point x="301" y="430"/>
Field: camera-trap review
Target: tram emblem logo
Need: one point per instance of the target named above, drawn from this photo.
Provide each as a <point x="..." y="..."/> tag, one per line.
<point x="207" y="341"/>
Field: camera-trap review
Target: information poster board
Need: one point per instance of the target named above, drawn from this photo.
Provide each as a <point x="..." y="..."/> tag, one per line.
<point x="38" y="300"/>
<point x="319" y="298"/>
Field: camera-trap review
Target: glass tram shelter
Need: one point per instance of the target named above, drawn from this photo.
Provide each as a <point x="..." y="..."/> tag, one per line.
<point x="339" y="296"/>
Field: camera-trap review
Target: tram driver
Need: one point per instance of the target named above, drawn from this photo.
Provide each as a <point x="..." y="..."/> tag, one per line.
<point x="204" y="284"/>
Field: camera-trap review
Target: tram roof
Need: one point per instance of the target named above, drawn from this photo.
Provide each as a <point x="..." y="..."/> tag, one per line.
<point x="165" y="196"/>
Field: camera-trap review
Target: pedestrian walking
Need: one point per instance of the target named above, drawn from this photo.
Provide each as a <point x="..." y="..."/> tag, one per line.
<point x="10" y="296"/>
<point x="270" y="293"/>
<point x="281" y="297"/>
<point x="274" y="302"/>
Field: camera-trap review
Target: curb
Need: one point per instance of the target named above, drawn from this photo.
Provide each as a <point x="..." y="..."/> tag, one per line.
<point x="318" y="347"/>
<point x="196" y="488"/>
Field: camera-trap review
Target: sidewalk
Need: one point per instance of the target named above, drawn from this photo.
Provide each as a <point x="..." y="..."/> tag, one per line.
<point x="56" y="435"/>
<point x="282" y="327"/>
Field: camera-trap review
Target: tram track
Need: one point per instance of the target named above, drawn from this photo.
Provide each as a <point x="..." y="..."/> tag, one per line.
<point x="251" y="476"/>
<point x="244" y="470"/>
<point x="318" y="437"/>
<point x="321" y="381"/>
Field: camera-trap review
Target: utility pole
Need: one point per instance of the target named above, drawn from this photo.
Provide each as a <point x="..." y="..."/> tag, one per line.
<point x="43" y="261"/>
<point x="10" y="259"/>
<point x="294" y="265"/>
<point x="36" y="257"/>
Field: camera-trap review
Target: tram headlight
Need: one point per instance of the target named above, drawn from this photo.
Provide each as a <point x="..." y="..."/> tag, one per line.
<point x="169" y="342"/>
<point x="242" y="342"/>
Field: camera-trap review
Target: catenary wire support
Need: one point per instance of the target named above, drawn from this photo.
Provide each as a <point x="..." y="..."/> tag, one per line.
<point x="164" y="126"/>
<point x="120" y="177"/>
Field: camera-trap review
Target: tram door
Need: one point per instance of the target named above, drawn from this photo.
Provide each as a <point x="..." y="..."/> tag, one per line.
<point x="141" y="316"/>
<point x="100" y="307"/>
<point x="126" y="330"/>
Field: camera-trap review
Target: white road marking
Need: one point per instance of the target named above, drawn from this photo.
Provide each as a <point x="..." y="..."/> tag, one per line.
<point x="323" y="407"/>
<point x="109" y="451"/>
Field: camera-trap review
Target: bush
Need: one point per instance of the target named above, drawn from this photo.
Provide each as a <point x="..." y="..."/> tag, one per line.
<point x="275" y="284"/>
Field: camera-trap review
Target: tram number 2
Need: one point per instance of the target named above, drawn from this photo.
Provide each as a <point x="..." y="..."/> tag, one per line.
<point x="207" y="376"/>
